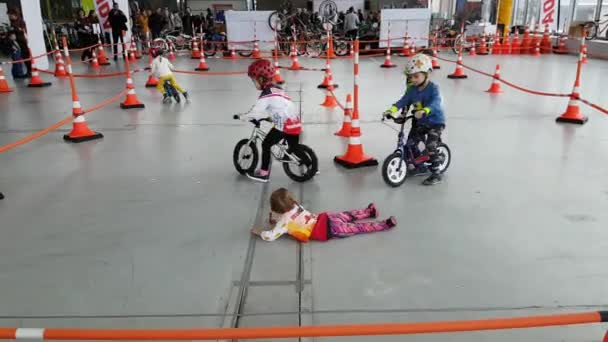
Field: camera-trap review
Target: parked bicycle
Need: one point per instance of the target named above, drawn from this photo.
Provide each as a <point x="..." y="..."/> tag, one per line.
<point x="597" y="27"/>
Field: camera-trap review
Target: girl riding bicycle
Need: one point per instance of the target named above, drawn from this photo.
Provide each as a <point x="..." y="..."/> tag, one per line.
<point x="161" y="68"/>
<point x="430" y="120"/>
<point x="304" y="226"/>
<point x="274" y="103"/>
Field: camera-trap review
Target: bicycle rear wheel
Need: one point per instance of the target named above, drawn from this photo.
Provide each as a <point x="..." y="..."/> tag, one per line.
<point x="209" y="48"/>
<point x="591" y="29"/>
<point x="306" y="168"/>
<point x="276" y="21"/>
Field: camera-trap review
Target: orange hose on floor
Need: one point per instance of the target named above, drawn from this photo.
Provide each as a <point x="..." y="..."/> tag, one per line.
<point x="311" y="331"/>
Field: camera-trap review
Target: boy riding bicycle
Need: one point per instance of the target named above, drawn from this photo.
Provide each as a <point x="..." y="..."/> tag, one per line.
<point x="161" y="68"/>
<point x="274" y="103"/>
<point x="430" y="120"/>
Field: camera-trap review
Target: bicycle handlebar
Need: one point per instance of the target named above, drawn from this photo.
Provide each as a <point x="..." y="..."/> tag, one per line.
<point x="253" y="121"/>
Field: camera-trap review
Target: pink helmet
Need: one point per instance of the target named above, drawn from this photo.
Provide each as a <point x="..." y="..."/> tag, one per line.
<point x="262" y="68"/>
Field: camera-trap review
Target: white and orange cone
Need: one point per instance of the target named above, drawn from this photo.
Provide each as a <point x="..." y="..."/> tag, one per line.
<point x="101" y="55"/>
<point x="196" y="53"/>
<point x="561" y="48"/>
<point x="347" y="121"/>
<point x="573" y="112"/>
<point x="495" y="87"/>
<point x="295" y="65"/>
<point x="405" y="52"/>
<point x="387" y="60"/>
<point x="459" y="72"/>
<point x="152" y="80"/>
<point x="4" y="88"/>
<point x="256" y="50"/>
<point x="202" y="64"/>
<point x="36" y="81"/>
<point x="80" y="130"/>
<point x="131" y="101"/>
<point x="94" y="61"/>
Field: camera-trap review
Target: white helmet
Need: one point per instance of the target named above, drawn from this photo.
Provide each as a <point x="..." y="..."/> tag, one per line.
<point x="419" y="63"/>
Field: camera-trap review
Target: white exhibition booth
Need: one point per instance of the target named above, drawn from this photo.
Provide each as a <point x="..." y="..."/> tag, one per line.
<point x="414" y="21"/>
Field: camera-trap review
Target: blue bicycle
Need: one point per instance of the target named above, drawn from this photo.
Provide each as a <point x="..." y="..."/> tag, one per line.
<point x="403" y="161"/>
<point x="171" y="92"/>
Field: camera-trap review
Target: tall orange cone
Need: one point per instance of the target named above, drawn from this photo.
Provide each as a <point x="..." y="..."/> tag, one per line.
<point x="497" y="47"/>
<point x="202" y="64"/>
<point x="131" y="101"/>
<point x="347" y="121"/>
<point x="59" y="63"/>
<point x="295" y="65"/>
<point x="196" y="53"/>
<point x="80" y="130"/>
<point x="330" y="46"/>
<point x="527" y="40"/>
<point x="495" y="87"/>
<point x="506" y="45"/>
<point x="131" y="54"/>
<point x="94" y="61"/>
<point x="434" y="60"/>
<point x="328" y="77"/>
<point x="573" y="112"/>
<point x="102" y="58"/>
<point x="354" y="156"/>
<point x="4" y="88"/>
<point x="152" y="80"/>
<point x="483" y="48"/>
<point x="534" y="41"/>
<point x="537" y="49"/>
<point x="516" y="45"/>
<point x="459" y="72"/>
<point x="277" y="74"/>
<point x="561" y="48"/>
<point x="405" y="52"/>
<point x="36" y="81"/>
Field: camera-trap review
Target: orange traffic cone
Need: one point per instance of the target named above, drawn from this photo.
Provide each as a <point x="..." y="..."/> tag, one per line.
<point x="295" y="65"/>
<point x="327" y="78"/>
<point x="277" y="74"/>
<point x="472" y="51"/>
<point x="95" y="62"/>
<point x="573" y="112"/>
<point x="483" y="48"/>
<point x="171" y="52"/>
<point x="256" y="50"/>
<point x="434" y="60"/>
<point x="516" y="45"/>
<point x="537" y="49"/>
<point x="405" y="52"/>
<point x="330" y="46"/>
<point x="413" y="48"/>
<point x="36" y="81"/>
<point x="196" y="53"/>
<point x="59" y="64"/>
<point x="152" y="80"/>
<point x="202" y="64"/>
<point x="561" y="48"/>
<point x="495" y="87"/>
<point x="605" y="337"/>
<point x="497" y="47"/>
<point x="4" y="88"/>
<point x="330" y="100"/>
<point x="102" y="58"/>
<point x="506" y="45"/>
<point x="131" y="54"/>
<point x="80" y="130"/>
<point x="387" y="60"/>
<point x="459" y="72"/>
<point x="131" y="101"/>
<point x="534" y="42"/>
<point x="347" y="122"/>
<point x="354" y="156"/>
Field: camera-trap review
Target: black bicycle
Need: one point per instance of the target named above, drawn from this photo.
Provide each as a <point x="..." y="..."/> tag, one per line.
<point x="246" y="155"/>
<point x="399" y="164"/>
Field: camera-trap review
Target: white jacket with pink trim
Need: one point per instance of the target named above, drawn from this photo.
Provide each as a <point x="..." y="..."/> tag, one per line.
<point x="274" y="103"/>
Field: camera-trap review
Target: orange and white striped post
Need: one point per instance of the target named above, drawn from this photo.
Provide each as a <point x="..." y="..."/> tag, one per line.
<point x="131" y="101"/>
<point x="354" y="156"/>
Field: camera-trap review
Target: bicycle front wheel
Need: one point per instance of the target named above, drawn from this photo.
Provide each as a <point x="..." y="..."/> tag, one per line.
<point x="245" y="156"/>
<point x="591" y="29"/>
<point x="276" y="20"/>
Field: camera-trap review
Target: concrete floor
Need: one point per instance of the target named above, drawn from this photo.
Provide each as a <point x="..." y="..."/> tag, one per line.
<point x="148" y="227"/>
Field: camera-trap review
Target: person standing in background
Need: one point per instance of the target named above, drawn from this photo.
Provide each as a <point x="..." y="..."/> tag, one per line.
<point x="187" y="21"/>
<point x="85" y="35"/>
<point x="360" y="15"/>
<point x="18" y="26"/>
<point x="351" y="24"/>
<point x="143" y="24"/>
<point x="118" y="22"/>
<point x="177" y="21"/>
<point x="168" y="19"/>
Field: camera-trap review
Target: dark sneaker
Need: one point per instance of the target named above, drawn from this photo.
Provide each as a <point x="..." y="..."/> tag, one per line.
<point x="186" y="96"/>
<point x="373" y="210"/>
<point x="419" y="171"/>
<point x="433" y="179"/>
<point x="166" y="98"/>
<point x="259" y="176"/>
<point x="391" y="221"/>
<point x="1" y="196"/>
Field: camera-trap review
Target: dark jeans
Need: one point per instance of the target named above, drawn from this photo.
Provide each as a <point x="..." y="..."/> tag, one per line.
<point x="117" y="35"/>
<point x="273" y="137"/>
<point x="431" y="135"/>
<point x="352" y="34"/>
